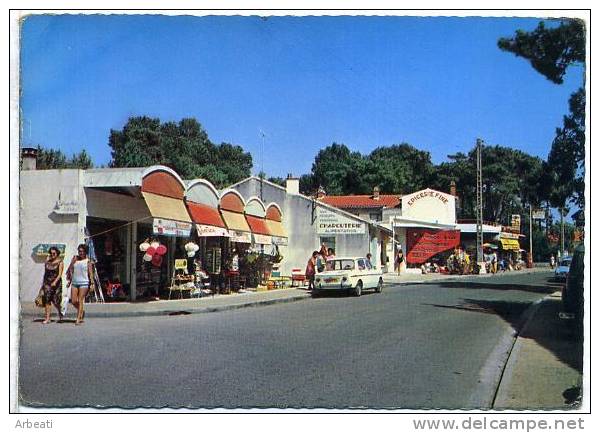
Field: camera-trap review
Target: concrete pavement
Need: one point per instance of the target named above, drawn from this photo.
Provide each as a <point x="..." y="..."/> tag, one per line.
<point x="544" y="369"/>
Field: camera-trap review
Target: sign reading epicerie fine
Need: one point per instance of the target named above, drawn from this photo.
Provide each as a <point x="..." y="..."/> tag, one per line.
<point x="329" y="223"/>
<point x="427" y="193"/>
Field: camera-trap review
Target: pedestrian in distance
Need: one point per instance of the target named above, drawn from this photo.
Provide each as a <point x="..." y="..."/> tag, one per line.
<point x="51" y="291"/>
<point x="399" y="261"/>
<point x="311" y="267"/>
<point x="80" y="277"/>
<point x="369" y="259"/>
<point x="552" y="261"/>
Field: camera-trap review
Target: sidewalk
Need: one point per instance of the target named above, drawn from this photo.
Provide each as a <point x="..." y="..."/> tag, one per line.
<point x="544" y="369"/>
<point x="206" y="304"/>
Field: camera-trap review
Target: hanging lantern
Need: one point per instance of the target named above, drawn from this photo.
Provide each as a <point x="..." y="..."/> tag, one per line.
<point x="161" y="250"/>
<point x="144" y="246"/>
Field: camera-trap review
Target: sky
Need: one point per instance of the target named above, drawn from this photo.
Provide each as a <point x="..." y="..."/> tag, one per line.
<point x="435" y="83"/>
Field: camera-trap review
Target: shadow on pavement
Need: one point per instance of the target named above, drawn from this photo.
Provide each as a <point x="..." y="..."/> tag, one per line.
<point x="561" y="337"/>
<point x="536" y="288"/>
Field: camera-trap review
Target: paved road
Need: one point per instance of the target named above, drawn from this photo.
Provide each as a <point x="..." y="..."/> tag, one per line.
<point x="435" y="345"/>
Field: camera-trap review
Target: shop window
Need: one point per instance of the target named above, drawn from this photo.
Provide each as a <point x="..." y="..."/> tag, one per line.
<point x="329" y="241"/>
<point x="375" y="216"/>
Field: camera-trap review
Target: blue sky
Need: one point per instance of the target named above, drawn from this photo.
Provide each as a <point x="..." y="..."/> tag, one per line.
<point x="436" y="83"/>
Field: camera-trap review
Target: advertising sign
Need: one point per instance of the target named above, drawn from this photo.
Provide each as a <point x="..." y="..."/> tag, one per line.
<point x="422" y="244"/>
<point x="538" y="214"/>
<point x="42" y="249"/>
<point x="332" y="223"/>
<point x="243" y="237"/>
<point x="206" y="231"/>
<point x="171" y="228"/>
<point x="515" y="222"/>
<point x="262" y="239"/>
<point x="278" y="240"/>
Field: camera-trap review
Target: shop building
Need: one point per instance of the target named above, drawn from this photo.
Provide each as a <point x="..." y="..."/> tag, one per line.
<point x="309" y="223"/>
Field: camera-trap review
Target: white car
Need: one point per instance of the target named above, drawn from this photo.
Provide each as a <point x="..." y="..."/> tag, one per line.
<point x="562" y="270"/>
<point x="351" y="274"/>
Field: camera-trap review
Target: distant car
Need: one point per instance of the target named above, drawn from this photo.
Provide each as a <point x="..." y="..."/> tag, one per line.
<point x="572" y="293"/>
<point x="350" y="274"/>
<point x="562" y="270"/>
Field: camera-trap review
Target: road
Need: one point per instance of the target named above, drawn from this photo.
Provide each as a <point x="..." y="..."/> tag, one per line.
<point x="434" y="345"/>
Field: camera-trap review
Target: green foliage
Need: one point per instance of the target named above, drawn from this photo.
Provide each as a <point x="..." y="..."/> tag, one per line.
<point x="550" y="50"/>
<point x="183" y="146"/>
<point x="48" y="159"/>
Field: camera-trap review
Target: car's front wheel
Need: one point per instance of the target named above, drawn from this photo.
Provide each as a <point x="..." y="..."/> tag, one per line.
<point x="379" y="287"/>
<point x="358" y="288"/>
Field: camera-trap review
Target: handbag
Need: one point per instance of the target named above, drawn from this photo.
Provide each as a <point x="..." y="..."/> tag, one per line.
<point x="39" y="300"/>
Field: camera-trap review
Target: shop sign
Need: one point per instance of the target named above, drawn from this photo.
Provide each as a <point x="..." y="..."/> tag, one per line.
<point x="171" y="228"/>
<point x="427" y="194"/>
<point x="42" y="249"/>
<point x="422" y="244"/>
<point x="242" y="237"/>
<point x="206" y="231"/>
<point x="507" y="235"/>
<point x="538" y="214"/>
<point x="278" y="240"/>
<point x="515" y="222"/>
<point x="331" y="223"/>
<point x="66" y="207"/>
<point x="262" y="239"/>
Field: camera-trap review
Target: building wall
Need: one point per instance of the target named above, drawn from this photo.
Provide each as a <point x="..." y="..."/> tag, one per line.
<point x="430" y="205"/>
<point x="297" y="220"/>
<point x="39" y="190"/>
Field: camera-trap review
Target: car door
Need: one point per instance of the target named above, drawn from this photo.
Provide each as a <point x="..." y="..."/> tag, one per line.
<point x="373" y="274"/>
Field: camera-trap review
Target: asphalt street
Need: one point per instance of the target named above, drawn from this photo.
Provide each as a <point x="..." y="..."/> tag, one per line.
<point x="434" y="345"/>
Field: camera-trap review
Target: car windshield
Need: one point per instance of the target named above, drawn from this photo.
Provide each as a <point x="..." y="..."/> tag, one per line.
<point x="566" y="263"/>
<point x="340" y="265"/>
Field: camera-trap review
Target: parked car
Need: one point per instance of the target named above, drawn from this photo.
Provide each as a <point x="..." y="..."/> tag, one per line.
<point x="572" y="293"/>
<point x="350" y="274"/>
<point x="562" y="270"/>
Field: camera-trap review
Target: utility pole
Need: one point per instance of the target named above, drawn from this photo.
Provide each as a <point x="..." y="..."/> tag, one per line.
<point x="262" y="167"/>
<point x="562" y="232"/>
<point x="480" y="208"/>
<point x="530" y="236"/>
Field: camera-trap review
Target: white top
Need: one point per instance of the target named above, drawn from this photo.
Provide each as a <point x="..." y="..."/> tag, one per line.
<point x="80" y="272"/>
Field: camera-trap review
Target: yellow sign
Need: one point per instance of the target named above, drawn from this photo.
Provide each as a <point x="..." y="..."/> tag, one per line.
<point x="180" y="263"/>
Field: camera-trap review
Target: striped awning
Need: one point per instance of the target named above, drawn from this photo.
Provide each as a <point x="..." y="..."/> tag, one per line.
<point x="510" y="244"/>
<point x="258" y="225"/>
<point x="205" y="215"/>
<point x="166" y="207"/>
<point x="276" y="228"/>
<point x="235" y="221"/>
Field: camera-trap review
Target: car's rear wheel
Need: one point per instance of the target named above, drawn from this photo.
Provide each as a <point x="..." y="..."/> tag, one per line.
<point x="379" y="287"/>
<point x="358" y="288"/>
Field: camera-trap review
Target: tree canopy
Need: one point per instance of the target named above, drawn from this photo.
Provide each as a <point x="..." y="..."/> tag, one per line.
<point x="184" y="146"/>
<point x="48" y="158"/>
<point x="549" y="50"/>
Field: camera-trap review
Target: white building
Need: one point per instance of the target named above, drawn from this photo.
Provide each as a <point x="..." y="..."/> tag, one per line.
<point x="310" y="223"/>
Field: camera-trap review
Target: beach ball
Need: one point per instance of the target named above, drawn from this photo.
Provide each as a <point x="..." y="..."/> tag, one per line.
<point x="147" y="257"/>
<point x="155" y="244"/>
<point x="151" y="251"/>
<point x="161" y="250"/>
<point x="144" y="246"/>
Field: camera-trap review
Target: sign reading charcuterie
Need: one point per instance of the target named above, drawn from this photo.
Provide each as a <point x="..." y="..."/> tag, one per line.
<point x="422" y="244"/>
<point x="329" y="222"/>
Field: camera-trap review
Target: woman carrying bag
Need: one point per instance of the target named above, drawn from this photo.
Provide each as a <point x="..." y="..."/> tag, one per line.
<point x="80" y="276"/>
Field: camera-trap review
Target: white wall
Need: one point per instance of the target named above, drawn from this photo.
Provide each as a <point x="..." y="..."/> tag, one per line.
<point x="297" y="220"/>
<point x="430" y="205"/>
<point x="39" y="191"/>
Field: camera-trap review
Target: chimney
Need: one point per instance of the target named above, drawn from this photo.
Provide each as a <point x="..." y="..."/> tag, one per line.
<point x="453" y="188"/>
<point x="375" y="193"/>
<point x="28" y="158"/>
<point x="321" y="192"/>
<point x="292" y="184"/>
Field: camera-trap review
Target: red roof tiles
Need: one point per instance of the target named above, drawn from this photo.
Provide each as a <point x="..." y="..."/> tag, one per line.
<point x="362" y="201"/>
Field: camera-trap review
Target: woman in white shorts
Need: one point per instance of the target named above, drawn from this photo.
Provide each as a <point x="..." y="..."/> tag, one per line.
<point x="80" y="278"/>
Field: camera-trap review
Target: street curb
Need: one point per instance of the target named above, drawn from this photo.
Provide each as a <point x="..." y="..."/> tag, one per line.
<point x="457" y="277"/>
<point x="182" y="311"/>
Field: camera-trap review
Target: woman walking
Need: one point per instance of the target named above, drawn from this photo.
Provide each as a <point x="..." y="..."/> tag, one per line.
<point x="80" y="276"/>
<point x="311" y="270"/>
<point x="51" y="290"/>
<point x="400" y="261"/>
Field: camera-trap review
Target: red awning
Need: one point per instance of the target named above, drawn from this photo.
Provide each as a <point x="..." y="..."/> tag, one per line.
<point x="258" y="225"/>
<point x="203" y="214"/>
